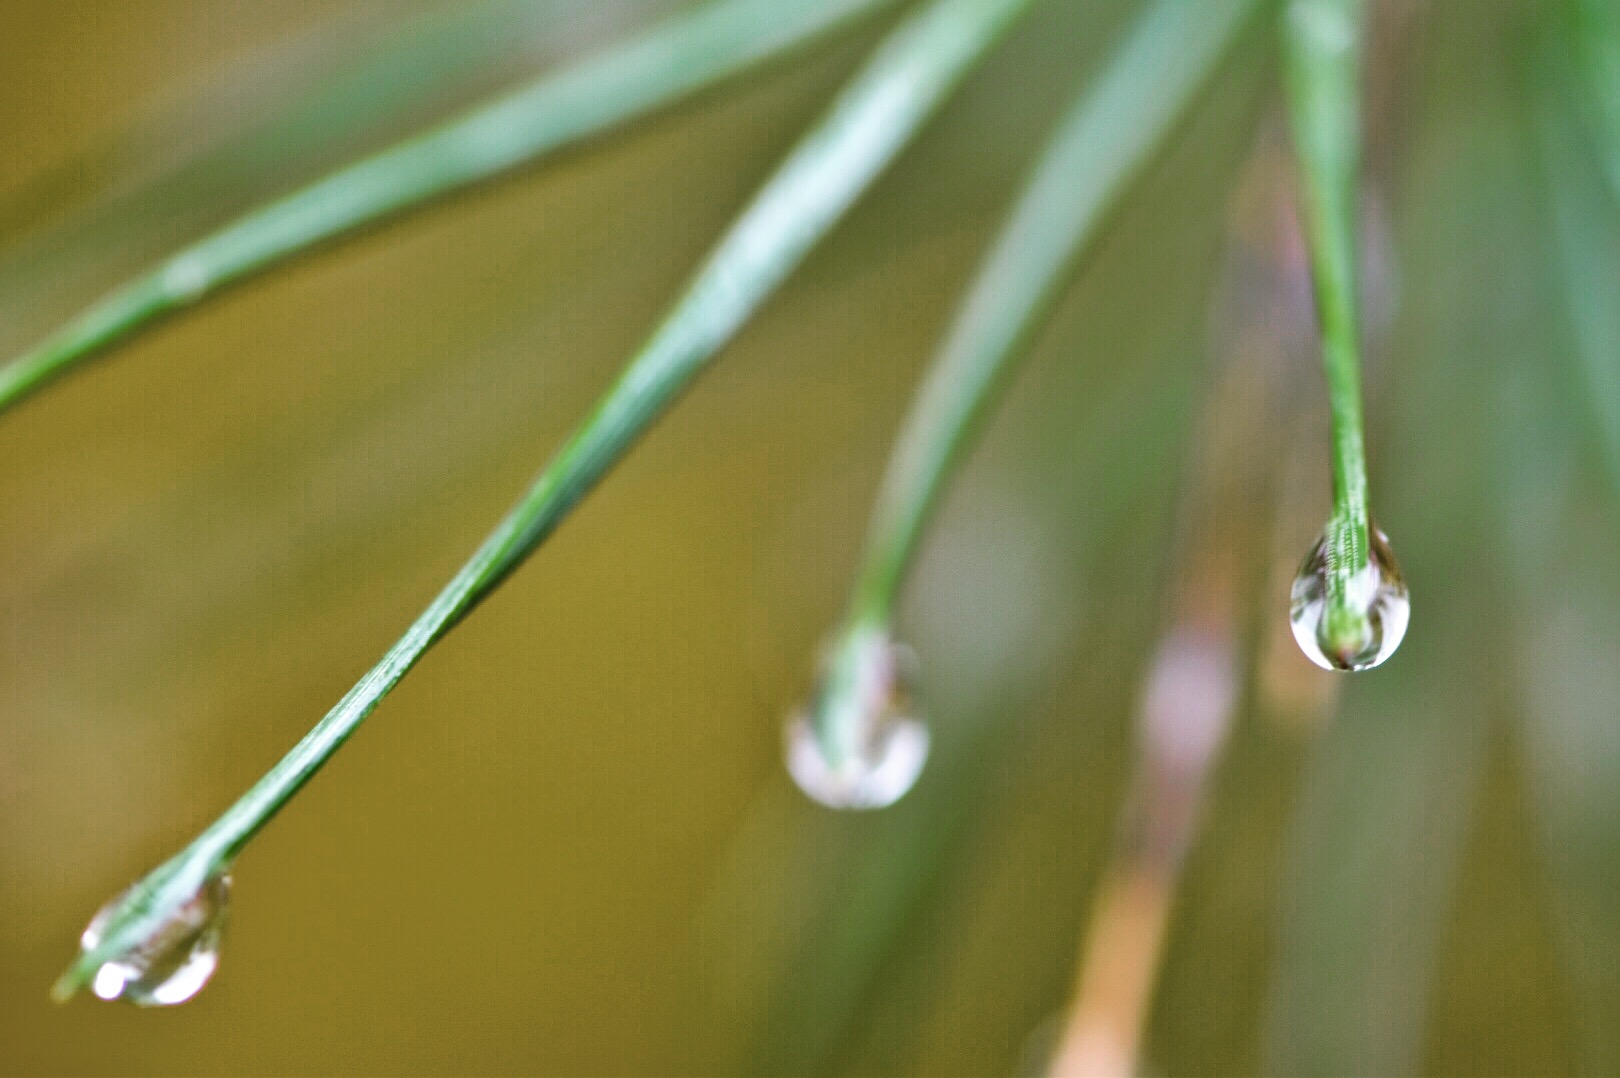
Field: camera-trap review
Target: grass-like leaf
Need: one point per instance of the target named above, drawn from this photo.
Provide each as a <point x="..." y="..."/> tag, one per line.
<point x="1596" y="25"/>
<point x="1390" y="791"/>
<point x="669" y="62"/>
<point x="1097" y="151"/>
<point x="910" y="75"/>
<point x="1098" y="148"/>
<point x="842" y="894"/>
<point x="1322" y="55"/>
<point x="1322" y="61"/>
<point x="1584" y="220"/>
<point x="239" y="138"/>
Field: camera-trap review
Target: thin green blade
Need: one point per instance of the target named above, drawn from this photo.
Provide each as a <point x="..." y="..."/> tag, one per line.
<point x="911" y="74"/>
<point x="666" y="64"/>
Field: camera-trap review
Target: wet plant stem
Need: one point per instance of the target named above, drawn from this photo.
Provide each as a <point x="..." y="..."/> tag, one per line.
<point x="670" y="62"/>
<point x="911" y="73"/>
<point x="1100" y="147"/>
<point x="1322" y="53"/>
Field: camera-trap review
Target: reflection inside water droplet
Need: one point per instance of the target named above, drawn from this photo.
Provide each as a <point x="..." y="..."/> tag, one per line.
<point x="174" y="962"/>
<point x="859" y="745"/>
<point x="876" y="776"/>
<point x="1373" y="618"/>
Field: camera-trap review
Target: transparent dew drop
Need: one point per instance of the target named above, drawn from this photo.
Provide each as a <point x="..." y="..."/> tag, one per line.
<point x="172" y="963"/>
<point x="876" y="777"/>
<point x="865" y="706"/>
<point x="1377" y="593"/>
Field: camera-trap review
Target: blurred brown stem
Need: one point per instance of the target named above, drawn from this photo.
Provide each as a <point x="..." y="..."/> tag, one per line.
<point x="1191" y="688"/>
<point x="1186" y="714"/>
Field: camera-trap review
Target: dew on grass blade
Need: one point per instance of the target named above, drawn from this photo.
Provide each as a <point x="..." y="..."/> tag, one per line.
<point x="174" y="961"/>
<point x="860" y="744"/>
<point x="1368" y="621"/>
<point x="876" y="776"/>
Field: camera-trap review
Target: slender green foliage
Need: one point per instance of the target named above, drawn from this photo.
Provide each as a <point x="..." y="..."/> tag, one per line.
<point x="1097" y="150"/>
<point x="1583" y="218"/>
<point x="669" y="62"/>
<point x="180" y="163"/>
<point x="909" y="76"/>
<point x="1597" y="51"/>
<point x="1100" y="147"/>
<point x="1322" y="53"/>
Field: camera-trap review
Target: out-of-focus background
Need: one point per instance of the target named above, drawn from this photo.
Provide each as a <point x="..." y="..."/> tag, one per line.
<point x="566" y="845"/>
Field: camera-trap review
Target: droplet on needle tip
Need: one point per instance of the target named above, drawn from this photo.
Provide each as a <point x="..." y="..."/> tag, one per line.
<point x="1367" y="626"/>
<point x="859" y="744"/>
<point x="174" y="961"/>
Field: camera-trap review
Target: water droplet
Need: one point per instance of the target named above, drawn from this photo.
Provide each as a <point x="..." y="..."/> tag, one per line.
<point x="174" y="961"/>
<point x="876" y="777"/>
<point x="859" y="745"/>
<point x="1371" y="623"/>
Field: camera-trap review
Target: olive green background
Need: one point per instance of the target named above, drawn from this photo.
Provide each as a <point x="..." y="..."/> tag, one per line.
<point x="565" y="845"/>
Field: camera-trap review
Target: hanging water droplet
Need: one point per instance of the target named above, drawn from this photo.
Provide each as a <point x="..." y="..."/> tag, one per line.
<point x="877" y="776"/>
<point x="174" y="961"/>
<point x="859" y="745"/>
<point x="1372" y="620"/>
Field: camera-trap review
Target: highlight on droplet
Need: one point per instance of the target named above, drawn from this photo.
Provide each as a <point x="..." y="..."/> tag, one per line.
<point x="174" y="961"/>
